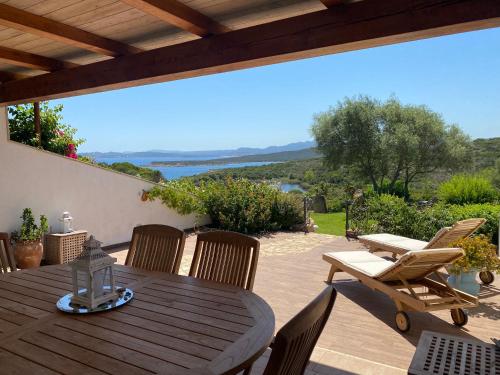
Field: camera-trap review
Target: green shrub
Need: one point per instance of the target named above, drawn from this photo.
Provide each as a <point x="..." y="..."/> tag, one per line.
<point x="145" y="173"/>
<point x="464" y="189"/>
<point x="247" y="207"/>
<point x="29" y="231"/>
<point x="238" y="205"/>
<point x="389" y="214"/>
<point x="180" y="195"/>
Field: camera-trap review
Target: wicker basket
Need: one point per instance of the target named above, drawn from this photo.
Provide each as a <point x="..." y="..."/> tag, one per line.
<point x="63" y="248"/>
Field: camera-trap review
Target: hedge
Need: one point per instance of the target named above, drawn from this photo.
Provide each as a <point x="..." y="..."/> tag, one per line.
<point x="390" y="214"/>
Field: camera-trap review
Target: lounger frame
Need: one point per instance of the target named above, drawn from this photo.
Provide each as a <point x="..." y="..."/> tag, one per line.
<point x="439" y="295"/>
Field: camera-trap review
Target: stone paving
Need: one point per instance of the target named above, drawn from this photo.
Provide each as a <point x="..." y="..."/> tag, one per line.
<point x="360" y="337"/>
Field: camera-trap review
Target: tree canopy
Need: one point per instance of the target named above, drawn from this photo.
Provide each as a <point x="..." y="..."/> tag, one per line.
<point x="387" y="142"/>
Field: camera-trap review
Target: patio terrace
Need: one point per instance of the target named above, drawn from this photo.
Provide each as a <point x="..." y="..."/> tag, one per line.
<point x="360" y="337"/>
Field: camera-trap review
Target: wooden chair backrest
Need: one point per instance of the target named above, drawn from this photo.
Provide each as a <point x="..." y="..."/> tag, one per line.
<point x="226" y="257"/>
<point x="7" y="262"/>
<point x="156" y="247"/>
<point x="415" y="265"/>
<point x="294" y="343"/>
<point x="461" y="229"/>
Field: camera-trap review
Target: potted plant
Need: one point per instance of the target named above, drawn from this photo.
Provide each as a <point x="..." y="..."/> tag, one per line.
<point x="28" y="248"/>
<point x="480" y="255"/>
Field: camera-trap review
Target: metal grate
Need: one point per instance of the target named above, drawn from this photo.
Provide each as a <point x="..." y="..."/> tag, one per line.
<point x="439" y="354"/>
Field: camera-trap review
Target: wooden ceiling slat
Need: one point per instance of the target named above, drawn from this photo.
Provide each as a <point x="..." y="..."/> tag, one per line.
<point x="355" y="26"/>
<point x="180" y="15"/>
<point x="30" y="60"/>
<point x="34" y="24"/>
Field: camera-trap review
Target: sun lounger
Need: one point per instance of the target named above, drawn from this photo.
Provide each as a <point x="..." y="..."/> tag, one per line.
<point x="407" y="281"/>
<point x="399" y="245"/>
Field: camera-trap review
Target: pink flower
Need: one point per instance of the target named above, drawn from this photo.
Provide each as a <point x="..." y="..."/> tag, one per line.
<point x="71" y="151"/>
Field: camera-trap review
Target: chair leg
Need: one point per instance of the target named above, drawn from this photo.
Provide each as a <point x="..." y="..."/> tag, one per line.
<point x="331" y="273"/>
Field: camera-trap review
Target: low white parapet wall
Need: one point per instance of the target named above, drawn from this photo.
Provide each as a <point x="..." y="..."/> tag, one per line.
<point x="106" y="203"/>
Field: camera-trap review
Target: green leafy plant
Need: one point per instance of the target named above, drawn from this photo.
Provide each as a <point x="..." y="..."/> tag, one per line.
<point x="237" y="205"/>
<point x="181" y="195"/>
<point x="480" y="255"/>
<point x="30" y="231"/>
<point x="390" y="214"/>
<point x="464" y="189"/>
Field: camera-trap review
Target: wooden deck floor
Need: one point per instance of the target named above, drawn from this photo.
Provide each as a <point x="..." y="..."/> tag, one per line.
<point x="360" y="337"/>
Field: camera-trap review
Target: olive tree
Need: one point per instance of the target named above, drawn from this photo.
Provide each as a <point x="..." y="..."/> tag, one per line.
<point x="388" y="142"/>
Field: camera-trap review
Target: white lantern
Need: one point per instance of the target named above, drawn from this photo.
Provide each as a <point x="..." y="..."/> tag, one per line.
<point x="66" y="221"/>
<point x="93" y="280"/>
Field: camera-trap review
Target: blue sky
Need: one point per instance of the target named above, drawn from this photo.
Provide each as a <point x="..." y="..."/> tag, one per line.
<point x="457" y="76"/>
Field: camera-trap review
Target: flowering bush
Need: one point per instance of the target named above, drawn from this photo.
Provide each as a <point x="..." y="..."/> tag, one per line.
<point x="56" y="136"/>
<point x="480" y="255"/>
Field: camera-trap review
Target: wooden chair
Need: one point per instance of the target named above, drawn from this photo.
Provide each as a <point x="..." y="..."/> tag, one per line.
<point x="226" y="257"/>
<point x="7" y="262"/>
<point x="156" y="247"/>
<point x="295" y="341"/>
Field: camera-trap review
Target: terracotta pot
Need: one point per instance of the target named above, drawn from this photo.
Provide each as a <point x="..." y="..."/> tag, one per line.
<point x="28" y="254"/>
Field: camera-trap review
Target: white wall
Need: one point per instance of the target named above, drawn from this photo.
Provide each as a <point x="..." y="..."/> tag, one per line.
<point x="105" y="203"/>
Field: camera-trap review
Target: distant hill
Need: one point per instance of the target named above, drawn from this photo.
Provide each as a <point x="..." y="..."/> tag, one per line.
<point x="209" y="154"/>
<point x="486" y="152"/>
<point x="308" y="153"/>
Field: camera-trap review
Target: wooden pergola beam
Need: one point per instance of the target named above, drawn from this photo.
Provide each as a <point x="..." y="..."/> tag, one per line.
<point x="47" y="28"/>
<point x="9" y="76"/>
<point x="32" y="61"/>
<point x="355" y="26"/>
<point x="333" y="3"/>
<point x="180" y="15"/>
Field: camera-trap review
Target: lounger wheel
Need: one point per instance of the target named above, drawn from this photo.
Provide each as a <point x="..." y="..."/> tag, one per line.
<point x="402" y="321"/>
<point x="459" y="317"/>
<point x="486" y="277"/>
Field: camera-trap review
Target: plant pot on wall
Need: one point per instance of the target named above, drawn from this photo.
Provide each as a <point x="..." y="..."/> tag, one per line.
<point x="466" y="282"/>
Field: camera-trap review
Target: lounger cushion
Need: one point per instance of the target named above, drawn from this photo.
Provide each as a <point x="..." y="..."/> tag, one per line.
<point x="391" y="240"/>
<point x="423" y="262"/>
<point x="363" y="261"/>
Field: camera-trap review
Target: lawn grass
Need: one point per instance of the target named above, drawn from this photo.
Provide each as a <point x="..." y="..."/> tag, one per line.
<point x="331" y="223"/>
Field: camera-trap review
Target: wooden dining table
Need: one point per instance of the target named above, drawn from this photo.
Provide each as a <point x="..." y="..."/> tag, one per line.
<point x="173" y="325"/>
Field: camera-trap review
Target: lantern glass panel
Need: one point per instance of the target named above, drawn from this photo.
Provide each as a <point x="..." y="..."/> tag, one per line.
<point x="99" y="281"/>
<point x="83" y="282"/>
